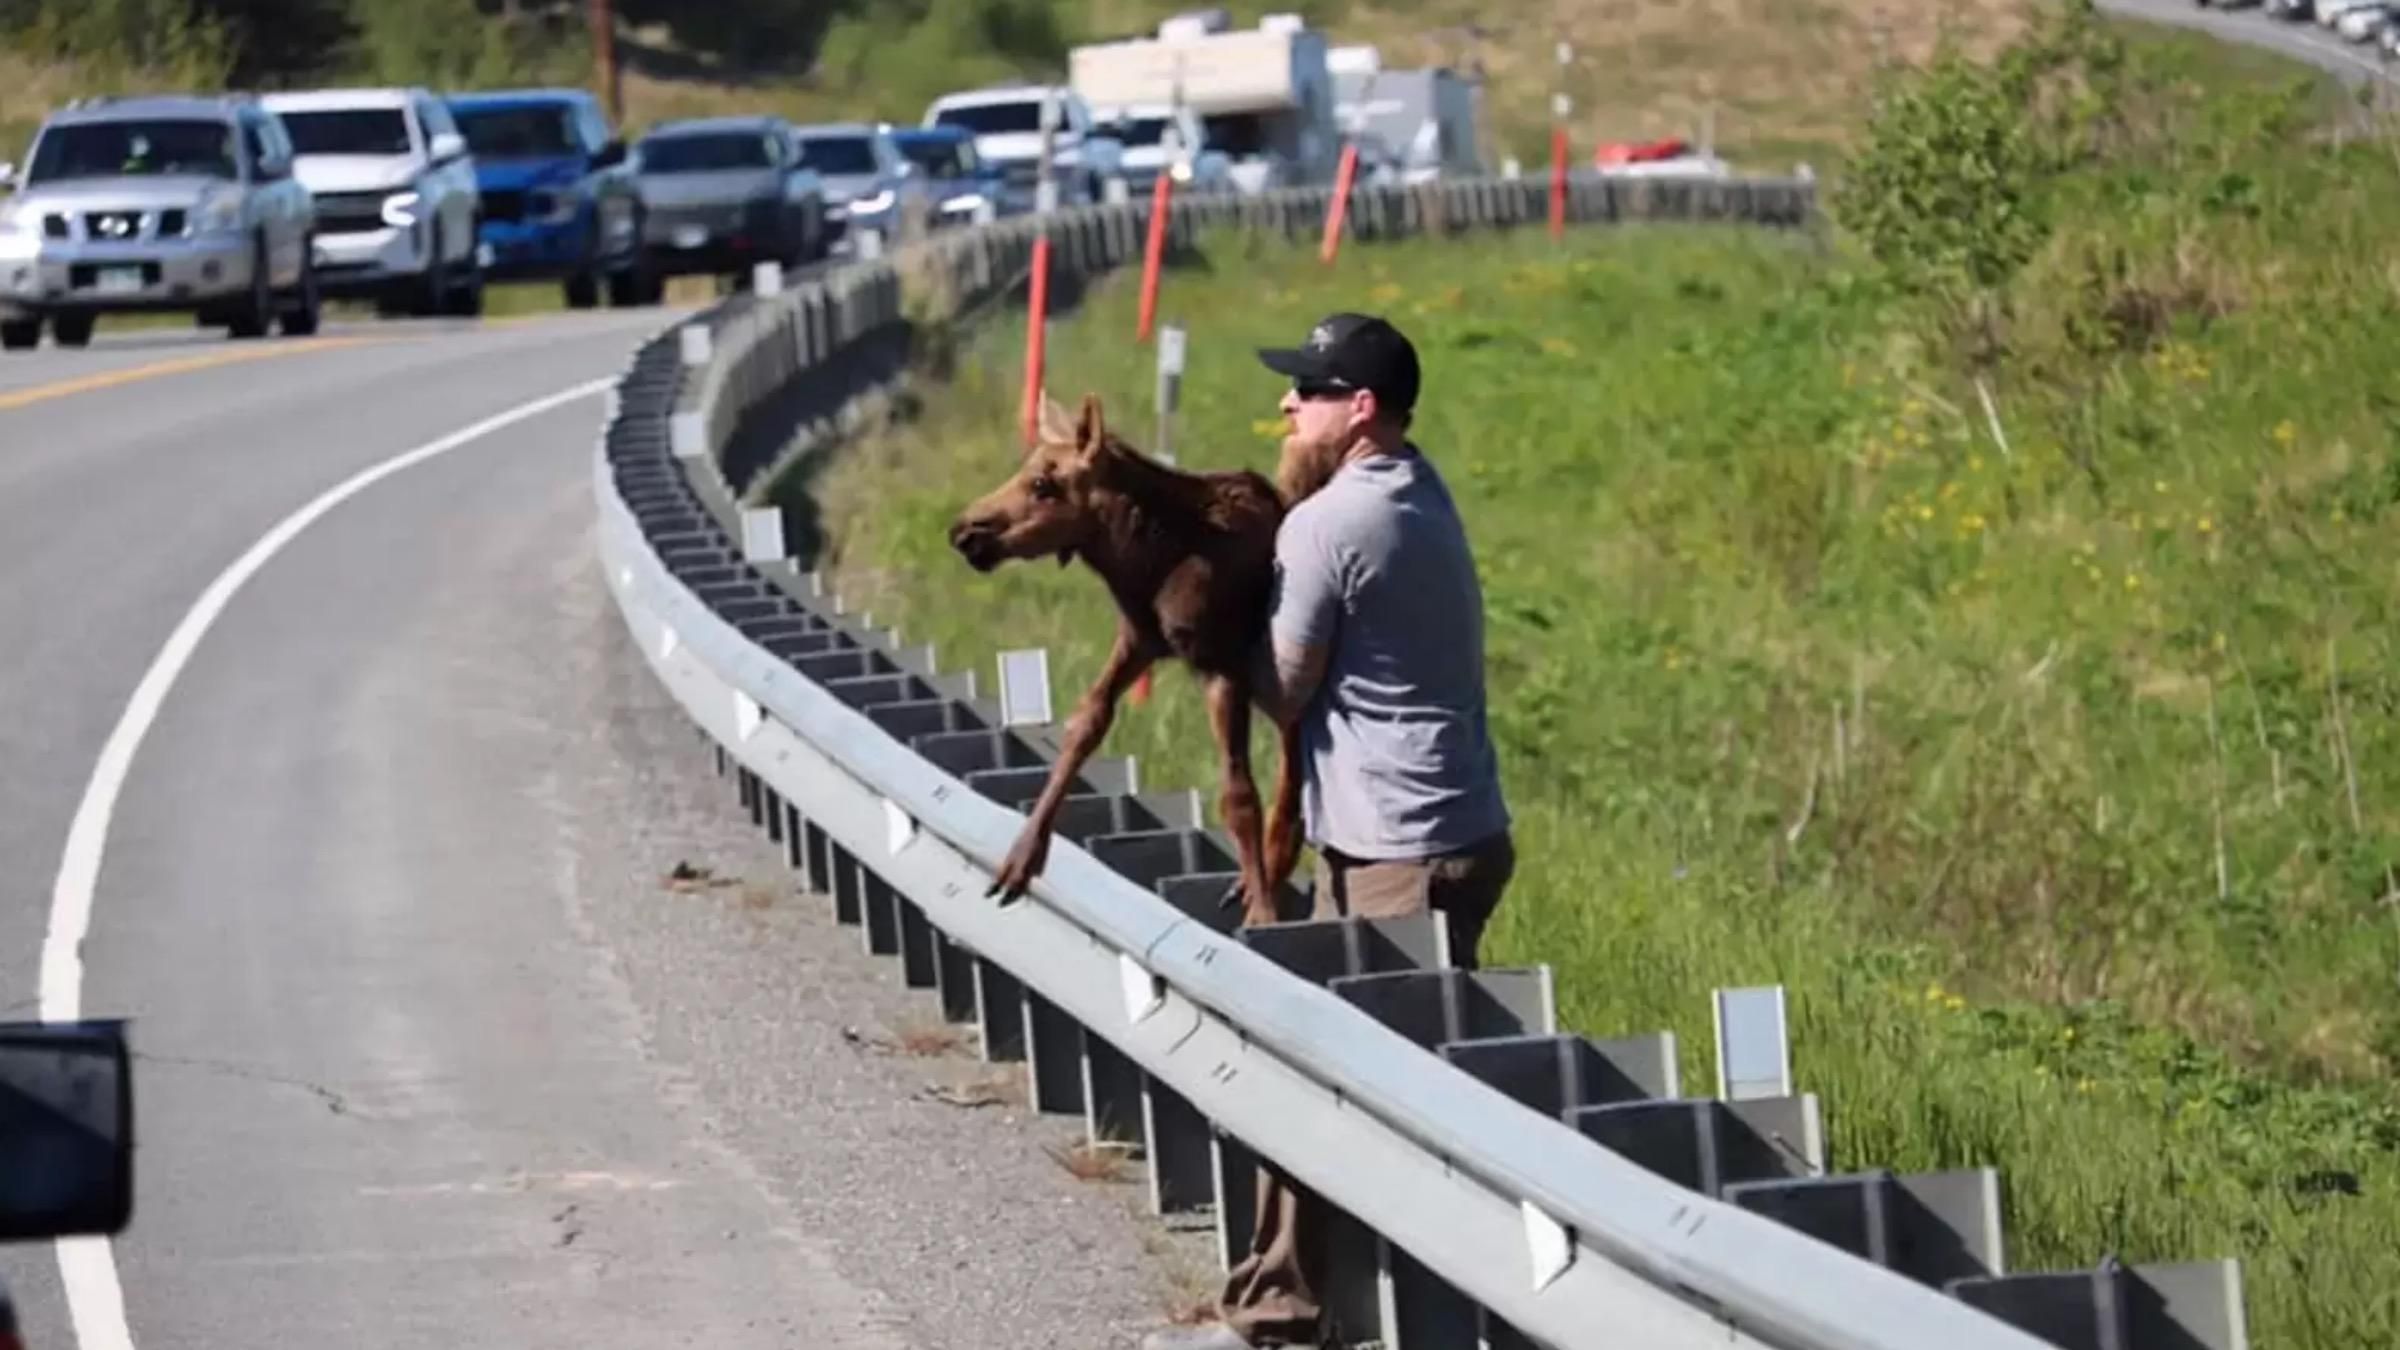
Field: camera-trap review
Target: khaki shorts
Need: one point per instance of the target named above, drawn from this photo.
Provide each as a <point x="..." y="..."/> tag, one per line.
<point x="1465" y="886"/>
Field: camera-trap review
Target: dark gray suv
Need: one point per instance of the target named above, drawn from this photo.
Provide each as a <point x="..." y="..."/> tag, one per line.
<point x="148" y="204"/>
<point x="725" y="193"/>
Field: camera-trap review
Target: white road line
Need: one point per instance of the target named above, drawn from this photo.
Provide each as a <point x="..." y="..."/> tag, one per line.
<point x="88" y="1266"/>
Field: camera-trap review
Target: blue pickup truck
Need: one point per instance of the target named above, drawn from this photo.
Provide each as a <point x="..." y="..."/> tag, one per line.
<point x="558" y="199"/>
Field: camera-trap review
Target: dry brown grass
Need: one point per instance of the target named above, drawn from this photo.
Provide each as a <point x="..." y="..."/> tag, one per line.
<point x="1783" y="77"/>
<point x="1089" y="1161"/>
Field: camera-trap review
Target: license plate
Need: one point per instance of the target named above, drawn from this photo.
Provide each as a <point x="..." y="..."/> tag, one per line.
<point x="690" y="236"/>
<point x="118" y="281"/>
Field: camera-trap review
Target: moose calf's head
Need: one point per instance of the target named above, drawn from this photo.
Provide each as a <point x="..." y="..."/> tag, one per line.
<point x="1046" y="506"/>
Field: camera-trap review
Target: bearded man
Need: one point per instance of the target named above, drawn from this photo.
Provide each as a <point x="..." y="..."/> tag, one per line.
<point x="1376" y="651"/>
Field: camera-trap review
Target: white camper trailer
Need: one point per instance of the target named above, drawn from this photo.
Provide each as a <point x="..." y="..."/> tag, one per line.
<point x="1263" y="94"/>
<point x="1417" y="124"/>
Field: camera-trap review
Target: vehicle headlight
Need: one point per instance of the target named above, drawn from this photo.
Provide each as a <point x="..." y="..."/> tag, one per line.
<point x="19" y="217"/>
<point x="970" y="201"/>
<point x="869" y="205"/>
<point x="400" y="209"/>
<point x="1181" y="171"/>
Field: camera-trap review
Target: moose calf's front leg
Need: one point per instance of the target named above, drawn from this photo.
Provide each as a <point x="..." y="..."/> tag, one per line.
<point x="1087" y="727"/>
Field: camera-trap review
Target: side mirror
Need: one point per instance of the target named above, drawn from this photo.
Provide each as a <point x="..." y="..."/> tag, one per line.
<point x="8" y="174"/>
<point x="447" y="146"/>
<point x="66" y="1127"/>
<point x="610" y="156"/>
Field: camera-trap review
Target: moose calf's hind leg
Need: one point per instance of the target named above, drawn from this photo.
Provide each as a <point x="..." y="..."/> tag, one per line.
<point x="1237" y="802"/>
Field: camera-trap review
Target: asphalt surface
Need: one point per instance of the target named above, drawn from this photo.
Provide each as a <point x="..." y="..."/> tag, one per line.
<point x="429" y="1053"/>
<point x="2353" y="64"/>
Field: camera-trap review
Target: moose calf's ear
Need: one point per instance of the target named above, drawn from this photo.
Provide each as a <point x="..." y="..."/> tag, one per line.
<point x="1093" y="429"/>
<point x="1058" y="425"/>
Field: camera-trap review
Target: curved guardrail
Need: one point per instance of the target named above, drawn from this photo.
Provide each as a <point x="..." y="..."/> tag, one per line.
<point x="1504" y="1185"/>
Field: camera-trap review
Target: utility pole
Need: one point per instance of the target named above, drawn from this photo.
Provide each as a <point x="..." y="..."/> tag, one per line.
<point x="604" y="59"/>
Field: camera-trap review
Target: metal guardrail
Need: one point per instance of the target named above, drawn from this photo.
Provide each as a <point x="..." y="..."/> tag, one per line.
<point x="1505" y="1186"/>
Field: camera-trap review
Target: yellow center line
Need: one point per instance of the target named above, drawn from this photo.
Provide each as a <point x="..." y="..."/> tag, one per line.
<point x="110" y="379"/>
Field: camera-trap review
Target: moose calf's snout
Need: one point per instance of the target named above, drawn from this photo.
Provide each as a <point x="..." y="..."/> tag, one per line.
<point x="976" y="539"/>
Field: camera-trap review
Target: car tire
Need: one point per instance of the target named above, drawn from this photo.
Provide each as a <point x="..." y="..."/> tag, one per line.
<point x="466" y="298"/>
<point x="435" y="288"/>
<point x="634" y="285"/>
<point x="21" y="335"/>
<point x="583" y="291"/>
<point x="72" y="330"/>
<point x="253" y="314"/>
<point x="307" y="309"/>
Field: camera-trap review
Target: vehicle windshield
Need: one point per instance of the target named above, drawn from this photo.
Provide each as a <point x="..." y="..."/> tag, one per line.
<point x="519" y="133"/>
<point x="1138" y="132"/>
<point x="993" y="119"/>
<point x="134" y="149"/>
<point x="705" y="154"/>
<point x="839" y="155"/>
<point x="941" y="158"/>
<point x="348" y="131"/>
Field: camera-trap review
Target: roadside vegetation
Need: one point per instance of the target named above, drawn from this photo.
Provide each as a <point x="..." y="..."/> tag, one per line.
<point x="1774" y="79"/>
<point x="2046" y="749"/>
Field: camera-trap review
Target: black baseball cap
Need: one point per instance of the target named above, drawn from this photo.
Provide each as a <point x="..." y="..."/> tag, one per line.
<point x="1359" y="351"/>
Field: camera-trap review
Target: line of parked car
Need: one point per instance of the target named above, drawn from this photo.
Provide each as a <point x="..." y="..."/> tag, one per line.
<point x="2360" y="21"/>
<point x="249" y="212"/>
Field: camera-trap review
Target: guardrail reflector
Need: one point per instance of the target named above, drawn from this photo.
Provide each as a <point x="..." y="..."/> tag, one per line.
<point x="1549" y="1243"/>
<point x="1145" y="993"/>
<point x="747" y="715"/>
<point x="898" y="827"/>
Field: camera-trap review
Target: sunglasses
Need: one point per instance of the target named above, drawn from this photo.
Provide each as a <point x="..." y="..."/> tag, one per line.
<point x="1315" y="390"/>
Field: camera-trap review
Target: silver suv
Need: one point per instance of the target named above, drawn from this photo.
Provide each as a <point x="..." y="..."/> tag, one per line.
<point x="150" y="204"/>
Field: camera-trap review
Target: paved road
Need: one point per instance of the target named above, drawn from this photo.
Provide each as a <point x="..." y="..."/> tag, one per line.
<point x="2321" y="47"/>
<point x="429" y="1059"/>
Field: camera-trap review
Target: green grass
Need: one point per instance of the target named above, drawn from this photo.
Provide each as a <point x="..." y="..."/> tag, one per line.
<point x="2059" y="784"/>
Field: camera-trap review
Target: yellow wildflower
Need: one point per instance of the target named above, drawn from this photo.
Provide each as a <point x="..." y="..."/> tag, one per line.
<point x="2217" y="642"/>
<point x="1558" y="346"/>
<point x="2132" y="582"/>
<point x="1385" y="293"/>
<point x="2204" y="524"/>
<point x="2285" y="432"/>
<point x="1924" y="513"/>
<point x="2160" y="485"/>
<point x="2083" y="1085"/>
<point x="1954" y="1003"/>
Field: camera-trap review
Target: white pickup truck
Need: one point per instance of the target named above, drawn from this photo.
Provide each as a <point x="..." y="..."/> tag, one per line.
<point x="1007" y="123"/>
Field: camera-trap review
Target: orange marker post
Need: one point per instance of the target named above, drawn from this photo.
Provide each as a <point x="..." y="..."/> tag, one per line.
<point x="1154" y="253"/>
<point x="1037" y="315"/>
<point x="1338" y="210"/>
<point x="1558" y="182"/>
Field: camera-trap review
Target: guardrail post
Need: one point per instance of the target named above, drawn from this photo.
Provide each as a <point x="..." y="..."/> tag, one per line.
<point x="795" y="843"/>
<point x="1175" y="1137"/>
<point x="918" y="963"/>
<point x="1933" y="1228"/>
<point x="953" y="978"/>
<point x="2194" y="1305"/>
<point x="1430" y="1007"/>
<point x="879" y="915"/>
<point x="999" y="1013"/>
<point x="846" y="886"/>
<point x="1112" y="1091"/>
<point x="1704" y="1144"/>
<point x="817" y="859"/>
<point x="1053" y="1057"/>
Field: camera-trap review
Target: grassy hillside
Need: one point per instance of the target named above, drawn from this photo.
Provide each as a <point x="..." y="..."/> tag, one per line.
<point x="2047" y="756"/>
<point x="1776" y="75"/>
